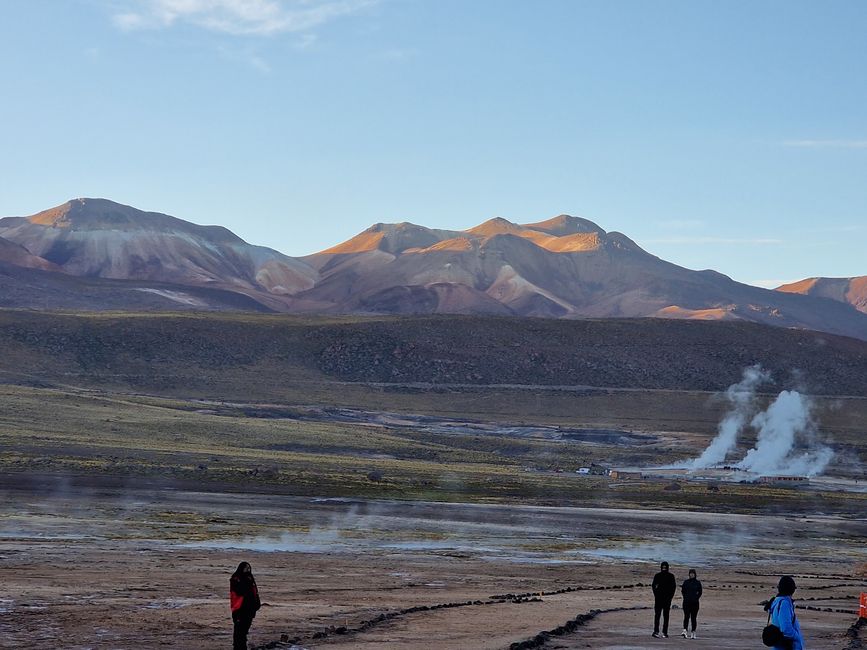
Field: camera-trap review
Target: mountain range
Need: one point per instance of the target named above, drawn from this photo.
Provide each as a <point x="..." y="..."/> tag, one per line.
<point x="95" y="254"/>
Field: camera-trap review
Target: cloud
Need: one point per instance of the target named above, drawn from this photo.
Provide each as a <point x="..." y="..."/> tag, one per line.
<point x="714" y="240"/>
<point x="826" y="144"/>
<point x="237" y="17"/>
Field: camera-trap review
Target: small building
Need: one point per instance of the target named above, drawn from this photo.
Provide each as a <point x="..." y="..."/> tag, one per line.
<point x="582" y="470"/>
<point x="621" y="474"/>
<point x="784" y="479"/>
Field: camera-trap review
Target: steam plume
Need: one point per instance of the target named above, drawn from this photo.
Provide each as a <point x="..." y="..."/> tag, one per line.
<point x="785" y="423"/>
<point x="741" y="396"/>
<point x="782" y="429"/>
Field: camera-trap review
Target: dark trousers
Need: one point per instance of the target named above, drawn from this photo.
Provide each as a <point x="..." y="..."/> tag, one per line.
<point x="690" y="613"/>
<point x="242" y="626"/>
<point x="661" y="607"/>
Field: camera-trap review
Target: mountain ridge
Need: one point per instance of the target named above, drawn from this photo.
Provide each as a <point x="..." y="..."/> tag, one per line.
<point x="852" y="290"/>
<point x="98" y="238"/>
<point x="562" y="267"/>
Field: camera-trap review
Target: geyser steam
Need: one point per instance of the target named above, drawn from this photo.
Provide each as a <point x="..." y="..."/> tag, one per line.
<point x="785" y="427"/>
<point x="742" y="397"/>
<point x="786" y="423"/>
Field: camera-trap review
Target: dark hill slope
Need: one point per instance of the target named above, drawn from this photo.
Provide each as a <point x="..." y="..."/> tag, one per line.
<point x="17" y="255"/>
<point x="26" y="288"/>
<point x="249" y="357"/>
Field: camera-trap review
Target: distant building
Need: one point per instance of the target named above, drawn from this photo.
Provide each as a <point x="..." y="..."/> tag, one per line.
<point x="621" y="474"/>
<point x="783" y="479"/>
<point x="583" y="470"/>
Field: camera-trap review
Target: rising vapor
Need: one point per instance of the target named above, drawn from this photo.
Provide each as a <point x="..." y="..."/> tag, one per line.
<point x="741" y="397"/>
<point x="784" y="427"/>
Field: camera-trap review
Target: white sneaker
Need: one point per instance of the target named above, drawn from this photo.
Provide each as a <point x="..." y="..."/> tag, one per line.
<point x="693" y="636"/>
<point x="684" y="634"/>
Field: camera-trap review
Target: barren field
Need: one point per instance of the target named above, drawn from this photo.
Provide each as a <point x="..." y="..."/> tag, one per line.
<point x="388" y="514"/>
<point x="86" y="567"/>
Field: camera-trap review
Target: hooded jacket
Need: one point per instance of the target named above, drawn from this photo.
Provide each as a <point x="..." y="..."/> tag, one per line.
<point x="783" y="616"/>
<point x="691" y="590"/>
<point x="664" y="586"/>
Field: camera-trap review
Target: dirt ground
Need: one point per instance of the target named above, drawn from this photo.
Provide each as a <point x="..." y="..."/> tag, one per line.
<point x="96" y="568"/>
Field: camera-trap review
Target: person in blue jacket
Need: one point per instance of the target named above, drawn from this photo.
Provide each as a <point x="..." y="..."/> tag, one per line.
<point x="782" y="610"/>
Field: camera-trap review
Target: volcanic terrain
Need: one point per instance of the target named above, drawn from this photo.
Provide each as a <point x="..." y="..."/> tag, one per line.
<point x="564" y="267"/>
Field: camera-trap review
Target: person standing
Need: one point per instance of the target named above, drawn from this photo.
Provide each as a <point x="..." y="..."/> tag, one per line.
<point x="664" y="587"/>
<point x="244" y="602"/>
<point x="782" y="611"/>
<point x="691" y="592"/>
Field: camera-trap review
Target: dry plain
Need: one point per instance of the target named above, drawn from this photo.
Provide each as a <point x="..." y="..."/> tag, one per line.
<point x="399" y="514"/>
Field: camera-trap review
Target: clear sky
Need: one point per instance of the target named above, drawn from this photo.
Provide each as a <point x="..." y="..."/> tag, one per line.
<point x="717" y="134"/>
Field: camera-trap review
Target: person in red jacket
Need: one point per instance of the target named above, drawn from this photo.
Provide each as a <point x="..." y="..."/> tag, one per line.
<point x="244" y="601"/>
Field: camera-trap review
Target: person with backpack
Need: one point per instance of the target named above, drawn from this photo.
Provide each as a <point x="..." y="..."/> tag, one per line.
<point x="691" y="591"/>
<point x="664" y="587"/>
<point x="244" y="602"/>
<point x="783" y="631"/>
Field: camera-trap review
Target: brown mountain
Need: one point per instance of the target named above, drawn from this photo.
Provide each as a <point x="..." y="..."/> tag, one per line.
<point x="852" y="291"/>
<point x="565" y="267"/>
<point x="17" y="255"/>
<point x="96" y="238"/>
<point x="30" y="288"/>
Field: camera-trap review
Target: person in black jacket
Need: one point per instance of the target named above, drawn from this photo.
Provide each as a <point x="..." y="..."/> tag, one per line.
<point x="691" y="591"/>
<point x="244" y="603"/>
<point x="664" y="587"/>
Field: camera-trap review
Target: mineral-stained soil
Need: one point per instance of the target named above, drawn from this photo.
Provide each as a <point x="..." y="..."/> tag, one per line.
<point x="89" y="567"/>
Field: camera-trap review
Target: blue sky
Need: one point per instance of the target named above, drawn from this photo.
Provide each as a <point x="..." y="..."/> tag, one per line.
<point x="727" y="135"/>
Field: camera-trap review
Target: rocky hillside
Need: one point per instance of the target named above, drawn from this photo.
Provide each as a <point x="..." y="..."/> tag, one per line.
<point x="16" y="255"/>
<point x="29" y="288"/>
<point x="96" y="238"/>
<point x="233" y="355"/>
<point x="565" y="267"/>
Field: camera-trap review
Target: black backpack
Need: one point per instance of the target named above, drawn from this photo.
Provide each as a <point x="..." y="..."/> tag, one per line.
<point x="773" y="635"/>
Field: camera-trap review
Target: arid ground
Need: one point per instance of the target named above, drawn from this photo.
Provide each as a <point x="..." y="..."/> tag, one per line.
<point x="417" y="513"/>
<point x="86" y="565"/>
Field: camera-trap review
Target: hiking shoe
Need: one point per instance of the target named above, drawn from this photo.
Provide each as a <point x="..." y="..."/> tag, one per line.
<point x="655" y="635"/>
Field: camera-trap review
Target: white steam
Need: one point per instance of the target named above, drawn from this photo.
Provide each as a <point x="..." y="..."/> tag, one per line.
<point x="786" y="442"/>
<point x="785" y="424"/>
<point x="741" y="396"/>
